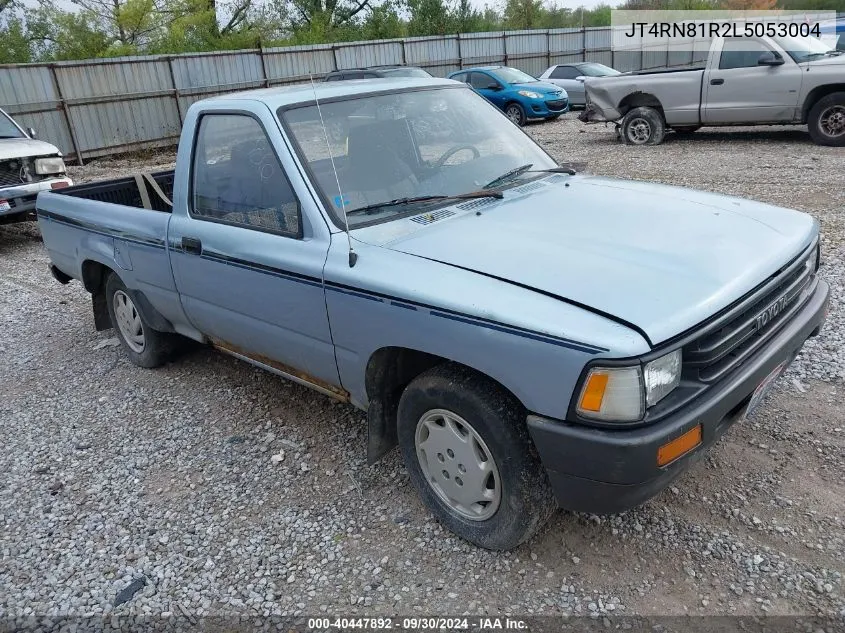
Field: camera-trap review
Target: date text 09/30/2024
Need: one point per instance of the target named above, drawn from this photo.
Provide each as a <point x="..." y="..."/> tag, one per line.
<point x="418" y="624"/>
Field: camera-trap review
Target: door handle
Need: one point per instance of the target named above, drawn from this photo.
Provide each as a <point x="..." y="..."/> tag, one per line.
<point x="717" y="82"/>
<point x="192" y="245"/>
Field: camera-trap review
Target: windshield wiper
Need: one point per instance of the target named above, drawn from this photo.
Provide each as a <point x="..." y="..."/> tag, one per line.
<point x="525" y="169"/>
<point x="376" y="207"/>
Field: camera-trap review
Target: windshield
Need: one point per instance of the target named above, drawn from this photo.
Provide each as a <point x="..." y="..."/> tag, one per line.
<point x="405" y="72"/>
<point x="597" y="70"/>
<point x="7" y="127"/>
<point x="802" y="49"/>
<point x="406" y="144"/>
<point x="513" y="75"/>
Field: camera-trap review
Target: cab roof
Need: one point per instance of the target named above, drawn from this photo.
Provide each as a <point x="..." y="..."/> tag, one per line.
<point x="305" y="92"/>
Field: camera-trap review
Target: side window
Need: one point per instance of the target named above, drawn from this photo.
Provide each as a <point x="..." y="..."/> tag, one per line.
<point x="370" y="76"/>
<point x="237" y="178"/>
<point x="741" y="53"/>
<point x="460" y="77"/>
<point x="840" y="44"/>
<point x="333" y="77"/>
<point x="480" y="81"/>
<point x="565" y="72"/>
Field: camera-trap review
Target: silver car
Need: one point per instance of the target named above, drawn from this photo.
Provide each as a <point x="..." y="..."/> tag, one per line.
<point x="571" y="78"/>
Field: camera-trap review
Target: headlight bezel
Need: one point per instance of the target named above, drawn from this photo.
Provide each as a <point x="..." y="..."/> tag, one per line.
<point x="650" y="413"/>
<point x="43" y="168"/>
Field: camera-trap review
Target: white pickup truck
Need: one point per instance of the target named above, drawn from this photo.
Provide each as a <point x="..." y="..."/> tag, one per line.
<point x="747" y="81"/>
<point x="27" y="166"/>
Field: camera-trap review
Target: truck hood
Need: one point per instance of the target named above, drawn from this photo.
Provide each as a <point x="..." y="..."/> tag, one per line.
<point x="833" y="60"/>
<point x="659" y="257"/>
<point x="25" y="147"/>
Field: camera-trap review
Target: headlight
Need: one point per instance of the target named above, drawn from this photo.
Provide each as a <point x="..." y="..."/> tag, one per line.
<point x="622" y="394"/>
<point x="530" y="94"/>
<point x="53" y="165"/>
<point x="661" y="376"/>
<point x="813" y="261"/>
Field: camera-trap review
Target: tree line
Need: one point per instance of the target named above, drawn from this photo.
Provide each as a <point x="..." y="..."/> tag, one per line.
<point x="108" y="28"/>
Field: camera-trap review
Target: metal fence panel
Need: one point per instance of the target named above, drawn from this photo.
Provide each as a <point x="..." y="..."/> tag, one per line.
<point x="478" y="49"/>
<point x="296" y="63"/>
<point x="439" y="56"/>
<point x="378" y="53"/>
<point x="566" y="41"/>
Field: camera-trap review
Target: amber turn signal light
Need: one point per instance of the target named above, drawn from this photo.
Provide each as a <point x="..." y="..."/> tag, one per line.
<point x="682" y="445"/>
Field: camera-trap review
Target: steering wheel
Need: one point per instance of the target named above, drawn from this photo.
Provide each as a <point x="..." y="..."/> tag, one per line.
<point x="454" y="150"/>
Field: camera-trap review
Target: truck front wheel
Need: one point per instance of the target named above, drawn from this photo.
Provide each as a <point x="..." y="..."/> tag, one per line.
<point x="145" y="346"/>
<point x="643" y="126"/>
<point x="826" y="121"/>
<point x="466" y="446"/>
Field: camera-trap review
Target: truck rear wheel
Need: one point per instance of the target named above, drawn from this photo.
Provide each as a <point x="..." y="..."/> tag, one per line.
<point x="145" y="346"/>
<point x="826" y="121"/>
<point x="466" y="446"/>
<point x="643" y="126"/>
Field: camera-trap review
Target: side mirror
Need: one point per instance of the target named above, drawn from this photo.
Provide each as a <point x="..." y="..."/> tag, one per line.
<point x="580" y="78"/>
<point x="769" y="59"/>
<point x="30" y="131"/>
<point x="494" y="86"/>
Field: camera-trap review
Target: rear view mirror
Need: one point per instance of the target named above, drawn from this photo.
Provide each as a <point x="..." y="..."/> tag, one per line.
<point x="30" y="131"/>
<point x="769" y="59"/>
<point x="494" y="86"/>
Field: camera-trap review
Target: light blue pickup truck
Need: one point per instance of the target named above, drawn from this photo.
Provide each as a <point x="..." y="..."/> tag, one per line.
<point x="528" y="336"/>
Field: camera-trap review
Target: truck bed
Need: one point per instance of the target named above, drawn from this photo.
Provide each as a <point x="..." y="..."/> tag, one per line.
<point x="124" y="191"/>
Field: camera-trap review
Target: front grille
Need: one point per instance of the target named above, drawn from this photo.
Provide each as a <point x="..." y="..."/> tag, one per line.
<point x="748" y="326"/>
<point x="11" y="173"/>
<point x="557" y="104"/>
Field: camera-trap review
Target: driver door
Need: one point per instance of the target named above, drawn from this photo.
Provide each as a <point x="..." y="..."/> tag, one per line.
<point x="246" y="260"/>
<point x="481" y="83"/>
<point x="739" y="90"/>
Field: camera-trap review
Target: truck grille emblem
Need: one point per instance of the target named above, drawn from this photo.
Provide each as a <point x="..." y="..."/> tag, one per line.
<point x="769" y="314"/>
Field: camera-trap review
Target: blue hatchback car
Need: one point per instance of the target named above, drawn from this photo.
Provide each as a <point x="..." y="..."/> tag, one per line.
<point x="519" y="95"/>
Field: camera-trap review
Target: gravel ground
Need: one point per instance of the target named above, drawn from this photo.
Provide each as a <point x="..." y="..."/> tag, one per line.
<point x="113" y="474"/>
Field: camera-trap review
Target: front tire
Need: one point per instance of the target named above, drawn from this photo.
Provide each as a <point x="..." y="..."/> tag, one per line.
<point x="643" y="126"/>
<point x="826" y="121"/>
<point x="144" y="346"/>
<point x="469" y="456"/>
<point x="515" y="113"/>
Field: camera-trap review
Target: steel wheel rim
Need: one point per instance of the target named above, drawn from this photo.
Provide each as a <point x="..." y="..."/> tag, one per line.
<point x="514" y="114"/>
<point x="129" y="322"/>
<point x="832" y="121"/>
<point x="639" y="131"/>
<point x="457" y="464"/>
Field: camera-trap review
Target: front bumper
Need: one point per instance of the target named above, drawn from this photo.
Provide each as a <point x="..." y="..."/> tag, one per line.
<point x="21" y="198"/>
<point x="547" y="108"/>
<point x="605" y="471"/>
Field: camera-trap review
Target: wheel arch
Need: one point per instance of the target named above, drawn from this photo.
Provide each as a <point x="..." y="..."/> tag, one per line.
<point x="819" y="92"/>
<point x="94" y="276"/>
<point x="389" y="370"/>
<point x="639" y="100"/>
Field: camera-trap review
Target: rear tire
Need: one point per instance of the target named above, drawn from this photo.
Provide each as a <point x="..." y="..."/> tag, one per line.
<point x="643" y="126"/>
<point x="826" y="121"/>
<point x="144" y="346"/>
<point x="465" y="443"/>
<point x="515" y="113"/>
